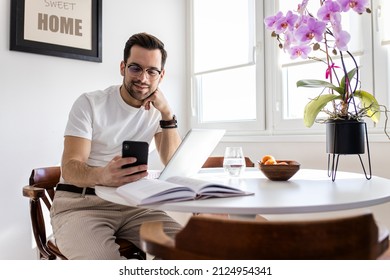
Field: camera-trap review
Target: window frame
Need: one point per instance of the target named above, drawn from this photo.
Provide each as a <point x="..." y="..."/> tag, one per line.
<point x="195" y="96"/>
<point x="269" y="86"/>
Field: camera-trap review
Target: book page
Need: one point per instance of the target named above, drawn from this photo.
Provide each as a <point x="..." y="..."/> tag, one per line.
<point x="204" y="187"/>
<point x="194" y="184"/>
<point x="153" y="190"/>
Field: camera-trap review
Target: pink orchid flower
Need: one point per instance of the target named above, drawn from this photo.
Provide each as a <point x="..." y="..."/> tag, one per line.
<point x="313" y="29"/>
<point x="327" y="10"/>
<point x="358" y="6"/>
<point x="271" y="20"/>
<point x="342" y="39"/>
<point x="302" y="7"/>
<point x="299" y="51"/>
<point x="286" y="23"/>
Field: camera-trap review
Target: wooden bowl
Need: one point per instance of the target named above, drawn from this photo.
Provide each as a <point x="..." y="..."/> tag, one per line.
<point x="279" y="172"/>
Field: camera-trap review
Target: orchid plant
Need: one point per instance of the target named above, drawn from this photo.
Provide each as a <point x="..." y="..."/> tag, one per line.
<point x="300" y="33"/>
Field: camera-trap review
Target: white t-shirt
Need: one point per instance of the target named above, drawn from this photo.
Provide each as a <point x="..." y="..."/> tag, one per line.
<point x="104" y="118"/>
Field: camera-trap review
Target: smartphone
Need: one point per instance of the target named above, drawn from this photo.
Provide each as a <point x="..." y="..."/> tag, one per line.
<point x="137" y="149"/>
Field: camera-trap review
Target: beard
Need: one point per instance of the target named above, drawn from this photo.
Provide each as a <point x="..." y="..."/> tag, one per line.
<point x="138" y="94"/>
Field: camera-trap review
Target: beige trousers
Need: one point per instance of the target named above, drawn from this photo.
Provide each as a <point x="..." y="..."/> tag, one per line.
<point x="86" y="227"/>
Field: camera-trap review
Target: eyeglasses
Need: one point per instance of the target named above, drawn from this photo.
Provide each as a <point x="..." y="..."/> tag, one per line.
<point x="136" y="71"/>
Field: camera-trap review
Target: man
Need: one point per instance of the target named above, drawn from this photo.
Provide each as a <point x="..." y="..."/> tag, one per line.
<point x="85" y="226"/>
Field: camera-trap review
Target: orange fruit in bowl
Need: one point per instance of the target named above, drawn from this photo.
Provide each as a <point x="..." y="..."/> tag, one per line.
<point x="266" y="158"/>
<point x="270" y="162"/>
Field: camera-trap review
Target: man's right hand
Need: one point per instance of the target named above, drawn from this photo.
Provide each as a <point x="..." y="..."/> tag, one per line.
<point x="113" y="175"/>
<point x="76" y="171"/>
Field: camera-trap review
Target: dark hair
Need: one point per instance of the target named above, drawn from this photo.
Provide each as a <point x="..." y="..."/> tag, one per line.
<point x="146" y="41"/>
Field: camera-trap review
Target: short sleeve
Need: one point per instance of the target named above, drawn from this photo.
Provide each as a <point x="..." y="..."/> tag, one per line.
<point x="80" y="119"/>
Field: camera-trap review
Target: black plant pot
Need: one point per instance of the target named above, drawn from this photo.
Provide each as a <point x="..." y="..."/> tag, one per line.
<point x="346" y="137"/>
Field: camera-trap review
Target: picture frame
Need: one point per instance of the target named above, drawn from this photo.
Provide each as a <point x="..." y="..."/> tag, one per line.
<point x="57" y="28"/>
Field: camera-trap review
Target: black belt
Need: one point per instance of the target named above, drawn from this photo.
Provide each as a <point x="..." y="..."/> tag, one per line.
<point x="74" y="189"/>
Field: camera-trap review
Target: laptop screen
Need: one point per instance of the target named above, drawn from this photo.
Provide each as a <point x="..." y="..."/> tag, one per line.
<point x="196" y="147"/>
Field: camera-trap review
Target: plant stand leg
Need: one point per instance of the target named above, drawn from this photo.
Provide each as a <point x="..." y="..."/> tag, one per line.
<point x="332" y="167"/>
<point x="368" y="155"/>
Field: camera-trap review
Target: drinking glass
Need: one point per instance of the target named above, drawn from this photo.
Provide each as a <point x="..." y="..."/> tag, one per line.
<point x="234" y="161"/>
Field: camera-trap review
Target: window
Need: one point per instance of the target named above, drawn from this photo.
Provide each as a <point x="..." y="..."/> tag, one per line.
<point x="225" y="73"/>
<point x="381" y="48"/>
<point x="243" y="82"/>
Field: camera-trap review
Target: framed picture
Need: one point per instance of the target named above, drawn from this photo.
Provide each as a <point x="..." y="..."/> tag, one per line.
<point x="59" y="28"/>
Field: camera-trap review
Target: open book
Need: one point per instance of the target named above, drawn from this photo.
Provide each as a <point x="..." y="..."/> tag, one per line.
<point x="154" y="191"/>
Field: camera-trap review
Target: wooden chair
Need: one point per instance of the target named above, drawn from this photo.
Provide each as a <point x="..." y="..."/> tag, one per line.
<point x="355" y="237"/>
<point x="41" y="187"/>
<point x="218" y="162"/>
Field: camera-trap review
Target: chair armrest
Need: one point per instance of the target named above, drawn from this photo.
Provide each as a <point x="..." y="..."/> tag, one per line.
<point x="33" y="192"/>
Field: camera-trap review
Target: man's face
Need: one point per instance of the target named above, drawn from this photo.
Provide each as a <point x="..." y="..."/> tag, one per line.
<point x="144" y="74"/>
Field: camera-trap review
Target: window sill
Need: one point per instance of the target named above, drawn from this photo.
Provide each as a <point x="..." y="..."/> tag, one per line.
<point x="296" y="137"/>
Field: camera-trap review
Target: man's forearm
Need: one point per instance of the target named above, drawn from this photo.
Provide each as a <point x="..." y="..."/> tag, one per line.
<point x="170" y="141"/>
<point x="80" y="174"/>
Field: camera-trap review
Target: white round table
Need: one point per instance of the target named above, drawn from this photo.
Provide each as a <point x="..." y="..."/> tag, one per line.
<point x="308" y="191"/>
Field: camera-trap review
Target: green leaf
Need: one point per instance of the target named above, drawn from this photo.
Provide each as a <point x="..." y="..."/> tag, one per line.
<point x="350" y="74"/>
<point x="313" y="108"/>
<point x="368" y="100"/>
<point x="319" y="84"/>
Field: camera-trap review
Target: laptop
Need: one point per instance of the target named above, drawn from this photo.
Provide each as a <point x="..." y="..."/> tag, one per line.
<point x="193" y="151"/>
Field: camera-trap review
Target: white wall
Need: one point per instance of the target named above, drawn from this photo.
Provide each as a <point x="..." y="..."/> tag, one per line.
<point x="37" y="91"/>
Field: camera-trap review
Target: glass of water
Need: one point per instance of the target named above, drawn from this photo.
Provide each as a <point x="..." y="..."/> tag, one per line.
<point x="234" y="161"/>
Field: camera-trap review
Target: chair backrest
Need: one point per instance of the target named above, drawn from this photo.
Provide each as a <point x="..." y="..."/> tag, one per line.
<point x="353" y="237"/>
<point x="218" y="162"/>
<point x="42" y="183"/>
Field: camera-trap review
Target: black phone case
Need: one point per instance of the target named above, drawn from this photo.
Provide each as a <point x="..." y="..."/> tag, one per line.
<point x="137" y="149"/>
